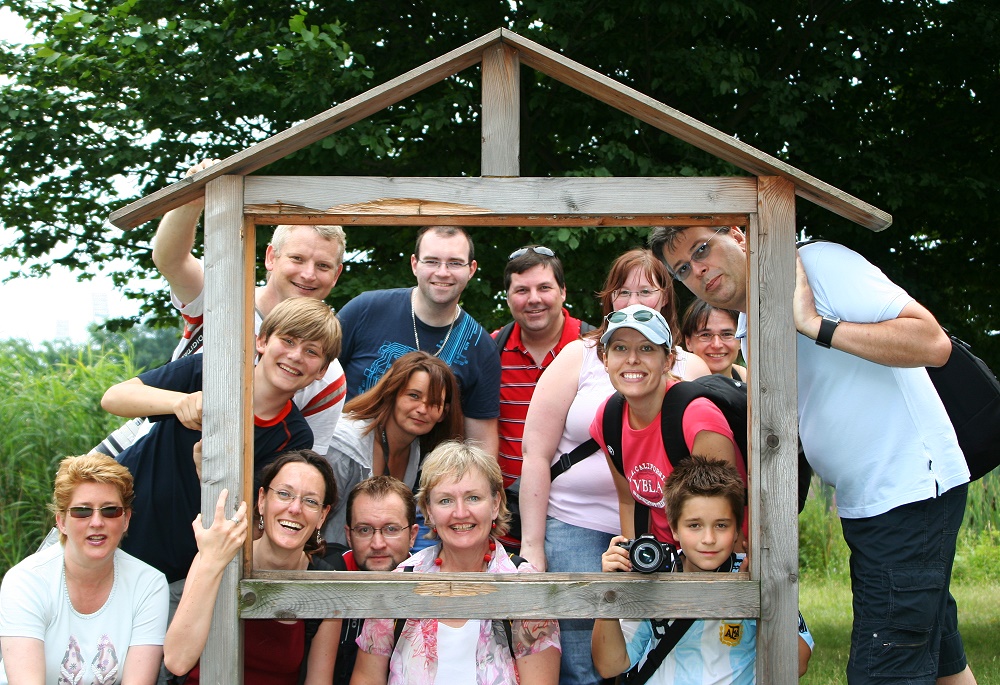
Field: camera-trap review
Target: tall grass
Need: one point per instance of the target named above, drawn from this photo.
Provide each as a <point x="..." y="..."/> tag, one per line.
<point x="49" y="408"/>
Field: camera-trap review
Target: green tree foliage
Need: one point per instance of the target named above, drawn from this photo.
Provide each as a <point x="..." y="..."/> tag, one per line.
<point x="893" y="101"/>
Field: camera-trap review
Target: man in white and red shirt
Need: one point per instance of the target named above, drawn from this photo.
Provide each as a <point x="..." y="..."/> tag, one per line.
<point x="536" y="293"/>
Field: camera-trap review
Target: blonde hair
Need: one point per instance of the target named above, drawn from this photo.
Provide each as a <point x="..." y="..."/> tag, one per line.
<point x="453" y="459"/>
<point x="306" y="319"/>
<point x="331" y="232"/>
<point x="89" y="468"/>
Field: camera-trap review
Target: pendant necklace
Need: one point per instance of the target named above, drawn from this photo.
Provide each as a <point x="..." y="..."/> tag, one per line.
<point x="416" y="338"/>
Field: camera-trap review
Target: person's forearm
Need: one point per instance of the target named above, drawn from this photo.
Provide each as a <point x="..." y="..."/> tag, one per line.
<point x="172" y="247"/>
<point x="607" y="647"/>
<point x="534" y="502"/>
<point x="133" y="398"/>
<point x="188" y="632"/>
<point x="902" y="342"/>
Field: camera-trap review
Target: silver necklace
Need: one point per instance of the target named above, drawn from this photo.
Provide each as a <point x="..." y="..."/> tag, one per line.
<point x="416" y="338"/>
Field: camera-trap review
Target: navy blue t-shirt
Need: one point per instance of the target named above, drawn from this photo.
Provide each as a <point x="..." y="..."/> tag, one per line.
<point x="378" y="330"/>
<point x="167" y="489"/>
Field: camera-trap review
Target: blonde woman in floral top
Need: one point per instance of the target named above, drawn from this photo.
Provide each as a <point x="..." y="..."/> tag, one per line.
<point x="461" y="495"/>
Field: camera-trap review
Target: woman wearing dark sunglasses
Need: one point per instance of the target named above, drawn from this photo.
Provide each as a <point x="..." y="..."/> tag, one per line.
<point x="84" y="611"/>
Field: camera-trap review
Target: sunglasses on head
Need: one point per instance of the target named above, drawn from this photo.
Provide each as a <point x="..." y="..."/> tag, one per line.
<point x="537" y="249"/>
<point x="642" y="316"/>
<point x="87" y="512"/>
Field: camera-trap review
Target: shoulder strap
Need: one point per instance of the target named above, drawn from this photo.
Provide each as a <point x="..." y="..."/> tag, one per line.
<point x="611" y="425"/>
<point x="672" y="634"/>
<point x="585" y="327"/>
<point x="503" y="335"/>
<point x="729" y="395"/>
<point x="573" y="457"/>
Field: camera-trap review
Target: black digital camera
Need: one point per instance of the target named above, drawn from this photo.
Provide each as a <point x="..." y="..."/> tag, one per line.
<point x="649" y="555"/>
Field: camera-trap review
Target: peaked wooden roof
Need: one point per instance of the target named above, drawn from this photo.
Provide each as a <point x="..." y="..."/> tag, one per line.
<point x="548" y="62"/>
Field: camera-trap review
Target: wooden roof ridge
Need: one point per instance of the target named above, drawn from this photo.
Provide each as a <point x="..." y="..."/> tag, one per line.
<point x="550" y="63"/>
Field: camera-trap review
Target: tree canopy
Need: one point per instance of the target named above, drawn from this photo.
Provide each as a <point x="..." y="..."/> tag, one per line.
<point x="894" y="101"/>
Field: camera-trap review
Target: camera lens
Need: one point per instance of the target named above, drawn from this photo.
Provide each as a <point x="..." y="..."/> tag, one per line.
<point x="647" y="556"/>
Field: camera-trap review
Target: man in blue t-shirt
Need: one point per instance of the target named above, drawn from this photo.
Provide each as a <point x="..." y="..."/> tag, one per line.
<point x="297" y="341"/>
<point x="382" y="325"/>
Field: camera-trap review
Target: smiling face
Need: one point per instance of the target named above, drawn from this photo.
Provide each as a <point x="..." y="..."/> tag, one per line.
<point x="289" y="363"/>
<point x="290" y="524"/>
<point x="414" y="413"/>
<point x="631" y="291"/>
<point x="721" y="349"/>
<point x="440" y="285"/>
<point x="378" y="552"/>
<point x="637" y="368"/>
<point x="307" y="266"/>
<point x="93" y="540"/>
<point x="720" y="277"/>
<point x="536" y="300"/>
<point x="463" y="510"/>
<point x="706" y="531"/>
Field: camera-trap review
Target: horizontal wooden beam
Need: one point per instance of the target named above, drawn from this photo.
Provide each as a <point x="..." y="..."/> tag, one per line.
<point x="309" y="131"/>
<point x="478" y="595"/>
<point x="692" y="131"/>
<point x="267" y="215"/>
<point x="415" y="196"/>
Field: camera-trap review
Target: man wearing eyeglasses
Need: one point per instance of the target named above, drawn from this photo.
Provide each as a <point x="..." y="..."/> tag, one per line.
<point x="542" y="326"/>
<point x="382" y="325"/>
<point x="381" y="528"/>
<point x="873" y="426"/>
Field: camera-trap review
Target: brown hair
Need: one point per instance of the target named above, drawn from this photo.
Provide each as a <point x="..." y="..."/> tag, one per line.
<point x="89" y="468"/>
<point x="269" y="473"/>
<point x="453" y="459"/>
<point x="378" y="403"/>
<point x="380" y="487"/>
<point x="446" y="232"/>
<point x="529" y="259"/>
<point x="700" y="476"/>
<point x="306" y="319"/>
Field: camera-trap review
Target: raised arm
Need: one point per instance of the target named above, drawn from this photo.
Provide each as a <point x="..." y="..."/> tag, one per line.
<point x="913" y="338"/>
<point x="543" y="428"/>
<point x="174" y="241"/>
<point x="217" y="545"/>
<point x="134" y="398"/>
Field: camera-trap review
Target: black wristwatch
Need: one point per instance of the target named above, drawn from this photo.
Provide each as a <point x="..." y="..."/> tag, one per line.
<point x="826" y="328"/>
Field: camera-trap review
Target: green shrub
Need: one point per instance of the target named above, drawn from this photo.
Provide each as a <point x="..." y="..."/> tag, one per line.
<point x="822" y="549"/>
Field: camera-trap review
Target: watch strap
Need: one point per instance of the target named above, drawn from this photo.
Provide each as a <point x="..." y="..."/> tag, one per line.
<point x="826" y="328"/>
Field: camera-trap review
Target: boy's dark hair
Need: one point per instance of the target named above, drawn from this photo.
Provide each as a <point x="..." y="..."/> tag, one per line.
<point x="700" y="476"/>
<point x="306" y="319"/>
<point x="447" y="232"/>
<point x="528" y="259"/>
<point x="380" y="487"/>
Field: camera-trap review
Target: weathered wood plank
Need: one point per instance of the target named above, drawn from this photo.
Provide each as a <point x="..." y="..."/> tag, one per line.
<point x="227" y="414"/>
<point x="476" y="595"/>
<point x="382" y="196"/>
<point x="266" y="214"/>
<point x="774" y="428"/>
<point x="690" y="130"/>
<point x="309" y="131"/>
<point x="501" y="151"/>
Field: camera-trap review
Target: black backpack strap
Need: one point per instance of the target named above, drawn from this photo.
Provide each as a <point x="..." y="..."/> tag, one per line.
<point x="503" y="336"/>
<point x="727" y="394"/>
<point x="570" y="459"/>
<point x="671" y="635"/>
<point x="611" y="425"/>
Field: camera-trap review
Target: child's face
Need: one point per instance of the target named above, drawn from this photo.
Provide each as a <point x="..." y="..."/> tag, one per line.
<point x="290" y="363"/>
<point x="706" y="532"/>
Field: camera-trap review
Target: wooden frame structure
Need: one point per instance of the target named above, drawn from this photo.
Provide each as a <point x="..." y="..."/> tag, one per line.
<point x="763" y="203"/>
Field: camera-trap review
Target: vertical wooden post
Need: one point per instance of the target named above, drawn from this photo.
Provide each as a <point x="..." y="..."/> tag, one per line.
<point x="501" y="153"/>
<point x="227" y="445"/>
<point x="773" y="428"/>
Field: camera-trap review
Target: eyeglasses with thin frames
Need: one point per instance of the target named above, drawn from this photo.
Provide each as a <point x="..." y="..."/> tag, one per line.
<point x="699" y="255"/>
<point x="451" y="265"/>
<point x="310" y="503"/>
<point x="110" y="512"/>
<point x="365" y="532"/>
<point x="643" y="294"/>
<point x="725" y="337"/>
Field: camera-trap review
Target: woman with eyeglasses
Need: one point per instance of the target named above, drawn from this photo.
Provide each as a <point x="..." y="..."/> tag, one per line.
<point x="83" y="611"/>
<point x="567" y="523"/>
<point x="710" y="333"/>
<point x="461" y="492"/>
<point x="386" y="430"/>
<point x="638" y="353"/>
<point x="296" y="492"/>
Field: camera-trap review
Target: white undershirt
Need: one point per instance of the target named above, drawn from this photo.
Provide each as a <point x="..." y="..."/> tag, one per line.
<point x="456" y="651"/>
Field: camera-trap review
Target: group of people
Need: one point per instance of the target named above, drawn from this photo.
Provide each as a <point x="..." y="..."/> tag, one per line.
<point x="401" y="414"/>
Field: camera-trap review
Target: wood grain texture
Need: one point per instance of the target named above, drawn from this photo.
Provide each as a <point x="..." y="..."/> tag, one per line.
<point x="774" y="429"/>
<point x="692" y="131"/>
<point x="309" y="131"/>
<point x="478" y="595"/>
<point x="359" y="195"/>
<point x="227" y="449"/>
<point x="501" y="122"/>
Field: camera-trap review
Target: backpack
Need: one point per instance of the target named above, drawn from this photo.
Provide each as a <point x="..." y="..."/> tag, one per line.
<point x="970" y="393"/>
<point x="728" y="394"/>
